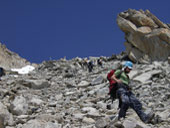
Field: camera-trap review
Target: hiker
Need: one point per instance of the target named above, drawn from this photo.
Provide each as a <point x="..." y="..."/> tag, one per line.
<point x="85" y="63"/>
<point x="2" y="72"/>
<point x="99" y="62"/>
<point x="112" y="83"/>
<point x="90" y="66"/>
<point x="126" y="97"/>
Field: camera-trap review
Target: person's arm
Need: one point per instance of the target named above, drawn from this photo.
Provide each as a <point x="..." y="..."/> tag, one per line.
<point x="116" y="76"/>
<point x="116" y="79"/>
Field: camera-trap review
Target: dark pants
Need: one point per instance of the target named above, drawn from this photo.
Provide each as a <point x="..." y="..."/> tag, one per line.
<point x="113" y="95"/>
<point x="90" y="66"/>
<point x="128" y="99"/>
<point x="113" y="89"/>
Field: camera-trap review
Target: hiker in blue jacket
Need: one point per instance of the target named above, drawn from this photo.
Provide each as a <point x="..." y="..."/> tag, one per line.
<point x="125" y="95"/>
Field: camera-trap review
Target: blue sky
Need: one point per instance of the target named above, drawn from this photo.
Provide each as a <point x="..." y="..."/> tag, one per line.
<point x="42" y="29"/>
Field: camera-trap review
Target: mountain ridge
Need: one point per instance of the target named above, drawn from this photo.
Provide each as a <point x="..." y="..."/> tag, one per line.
<point x="9" y="59"/>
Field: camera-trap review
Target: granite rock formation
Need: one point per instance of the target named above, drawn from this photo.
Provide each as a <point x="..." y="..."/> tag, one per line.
<point x="147" y="38"/>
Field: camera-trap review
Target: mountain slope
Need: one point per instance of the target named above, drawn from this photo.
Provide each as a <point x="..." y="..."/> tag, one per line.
<point x="63" y="94"/>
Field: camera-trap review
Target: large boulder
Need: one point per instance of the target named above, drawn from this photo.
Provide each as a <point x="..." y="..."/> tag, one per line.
<point x="40" y="124"/>
<point x="147" y="38"/>
<point x="19" y="106"/>
<point x="6" y="118"/>
<point x="35" y="84"/>
<point x="2" y="122"/>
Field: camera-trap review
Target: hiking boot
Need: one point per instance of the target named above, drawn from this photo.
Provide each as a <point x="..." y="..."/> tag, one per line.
<point x="150" y="116"/>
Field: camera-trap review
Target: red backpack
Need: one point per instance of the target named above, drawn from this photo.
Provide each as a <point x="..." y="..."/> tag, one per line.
<point x="111" y="81"/>
<point x="109" y="75"/>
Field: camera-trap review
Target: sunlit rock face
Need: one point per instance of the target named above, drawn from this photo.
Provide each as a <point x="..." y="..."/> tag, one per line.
<point x="9" y="59"/>
<point x="147" y="38"/>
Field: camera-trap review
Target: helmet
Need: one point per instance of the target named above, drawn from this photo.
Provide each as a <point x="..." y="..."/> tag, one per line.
<point x="128" y="64"/>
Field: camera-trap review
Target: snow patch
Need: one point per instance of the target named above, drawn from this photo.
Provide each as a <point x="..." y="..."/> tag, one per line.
<point x="24" y="70"/>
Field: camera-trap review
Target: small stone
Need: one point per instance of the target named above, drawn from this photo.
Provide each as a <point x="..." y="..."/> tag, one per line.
<point x="88" y="120"/>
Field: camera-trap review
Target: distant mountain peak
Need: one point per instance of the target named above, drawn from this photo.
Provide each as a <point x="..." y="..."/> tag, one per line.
<point x="9" y="59"/>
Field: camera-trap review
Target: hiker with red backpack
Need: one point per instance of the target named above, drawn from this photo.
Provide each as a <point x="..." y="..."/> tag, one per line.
<point x="124" y="94"/>
<point x="112" y="83"/>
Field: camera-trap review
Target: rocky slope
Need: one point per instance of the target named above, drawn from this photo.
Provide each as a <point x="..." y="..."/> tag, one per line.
<point x="63" y="94"/>
<point x="9" y="59"/>
<point x="145" y="36"/>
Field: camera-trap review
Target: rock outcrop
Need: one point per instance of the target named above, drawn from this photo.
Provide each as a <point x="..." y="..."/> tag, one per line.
<point x="147" y="38"/>
<point x="9" y="59"/>
<point x="63" y="94"/>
